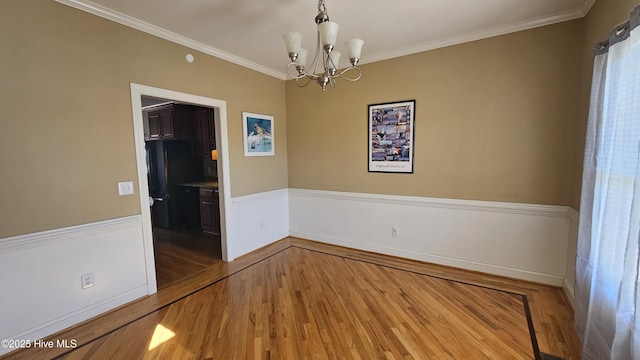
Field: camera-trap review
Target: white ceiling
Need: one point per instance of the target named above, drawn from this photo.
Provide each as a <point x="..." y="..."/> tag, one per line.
<point x="249" y="32"/>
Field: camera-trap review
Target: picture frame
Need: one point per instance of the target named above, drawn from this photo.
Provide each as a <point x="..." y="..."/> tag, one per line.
<point x="258" y="134"/>
<point x="391" y="137"/>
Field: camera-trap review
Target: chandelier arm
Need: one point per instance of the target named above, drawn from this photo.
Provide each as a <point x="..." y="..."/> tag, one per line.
<point x="325" y="66"/>
<point x="298" y="82"/>
<point x="343" y="72"/>
<point x="297" y="74"/>
<point x="300" y="75"/>
<point x="316" y="58"/>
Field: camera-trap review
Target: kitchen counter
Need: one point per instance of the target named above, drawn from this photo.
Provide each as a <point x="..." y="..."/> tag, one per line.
<point x="202" y="184"/>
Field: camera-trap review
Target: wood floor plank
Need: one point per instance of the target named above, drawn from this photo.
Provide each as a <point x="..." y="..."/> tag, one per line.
<point x="551" y="312"/>
<point x="310" y="307"/>
<point x="300" y="299"/>
<point x="180" y="253"/>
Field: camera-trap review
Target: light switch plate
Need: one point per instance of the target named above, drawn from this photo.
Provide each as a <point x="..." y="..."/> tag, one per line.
<point x="125" y="188"/>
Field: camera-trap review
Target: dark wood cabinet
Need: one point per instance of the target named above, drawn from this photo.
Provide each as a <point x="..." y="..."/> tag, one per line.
<point x="170" y="122"/>
<point x="205" y="132"/>
<point x="189" y="206"/>
<point x="210" y="210"/>
<point x="155" y="125"/>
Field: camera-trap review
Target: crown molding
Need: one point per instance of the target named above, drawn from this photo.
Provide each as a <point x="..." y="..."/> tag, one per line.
<point x="151" y="29"/>
<point x="469" y="37"/>
<point x="586" y="6"/>
<point x="154" y="30"/>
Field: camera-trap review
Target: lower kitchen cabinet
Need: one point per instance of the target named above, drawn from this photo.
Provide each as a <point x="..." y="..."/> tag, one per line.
<point x="189" y="207"/>
<point x="210" y="210"/>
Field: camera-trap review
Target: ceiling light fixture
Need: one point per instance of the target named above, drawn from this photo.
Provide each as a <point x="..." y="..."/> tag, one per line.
<point x="326" y="56"/>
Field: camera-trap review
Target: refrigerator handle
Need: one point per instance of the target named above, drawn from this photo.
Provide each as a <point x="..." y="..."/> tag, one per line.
<point x="165" y="154"/>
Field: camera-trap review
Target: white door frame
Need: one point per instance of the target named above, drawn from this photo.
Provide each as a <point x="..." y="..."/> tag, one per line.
<point x="220" y="109"/>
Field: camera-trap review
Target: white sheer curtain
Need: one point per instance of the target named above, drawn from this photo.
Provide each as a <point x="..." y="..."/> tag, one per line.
<point x="607" y="287"/>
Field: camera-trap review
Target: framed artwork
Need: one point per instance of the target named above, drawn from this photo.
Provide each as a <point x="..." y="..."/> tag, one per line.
<point x="258" y="134"/>
<point x="391" y="137"/>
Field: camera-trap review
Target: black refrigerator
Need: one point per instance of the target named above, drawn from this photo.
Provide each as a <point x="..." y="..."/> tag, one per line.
<point x="169" y="163"/>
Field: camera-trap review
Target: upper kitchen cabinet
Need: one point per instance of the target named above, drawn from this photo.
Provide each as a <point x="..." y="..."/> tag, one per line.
<point x="170" y="122"/>
<point x="205" y="139"/>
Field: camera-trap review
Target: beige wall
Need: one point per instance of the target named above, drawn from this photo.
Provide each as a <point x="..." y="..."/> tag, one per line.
<point x="498" y="119"/>
<point x="66" y="133"/>
<point x="495" y="120"/>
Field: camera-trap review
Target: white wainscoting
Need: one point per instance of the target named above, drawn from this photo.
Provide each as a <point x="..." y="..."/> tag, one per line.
<point x="40" y="273"/>
<point x="522" y="241"/>
<point x="40" y="276"/>
<point x="257" y="220"/>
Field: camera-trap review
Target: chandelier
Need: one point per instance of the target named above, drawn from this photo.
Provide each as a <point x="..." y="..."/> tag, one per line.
<point x="324" y="68"/>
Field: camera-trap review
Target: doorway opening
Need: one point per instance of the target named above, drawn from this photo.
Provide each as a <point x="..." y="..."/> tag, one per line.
<point x="182" y="176"/>
<point x="184" y="208"/>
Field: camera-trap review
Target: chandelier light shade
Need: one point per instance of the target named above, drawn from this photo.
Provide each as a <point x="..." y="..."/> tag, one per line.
<point x="301" y="61"/>
<point x="324" y="68"/>
<point x="292" y="40"/>
<point x="354" y="48"/>
<point x="328" y="34"/>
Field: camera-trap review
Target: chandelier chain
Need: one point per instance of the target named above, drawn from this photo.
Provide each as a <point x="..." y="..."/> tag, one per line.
<point x="322" y="9"/>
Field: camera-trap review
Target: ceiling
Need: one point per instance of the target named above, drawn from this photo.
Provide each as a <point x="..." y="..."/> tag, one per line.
<point x="249" y="32"/>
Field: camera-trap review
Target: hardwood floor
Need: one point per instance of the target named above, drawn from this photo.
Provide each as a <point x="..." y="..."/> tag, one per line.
<point x="300" y="299"/>
<point x="180" y="253"/>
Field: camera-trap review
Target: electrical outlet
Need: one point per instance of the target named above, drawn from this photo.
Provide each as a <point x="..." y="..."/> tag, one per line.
<point x="395" y="231"/>
<point x="125" y="188"/>
<point x="87" y="280"/>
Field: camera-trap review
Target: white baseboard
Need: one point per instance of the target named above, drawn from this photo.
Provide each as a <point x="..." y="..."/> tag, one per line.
<point x="441" y="260"/>
<point x="75" y="317"/>
<point x="523" y="241"/>
<point x="40" y="273"/>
